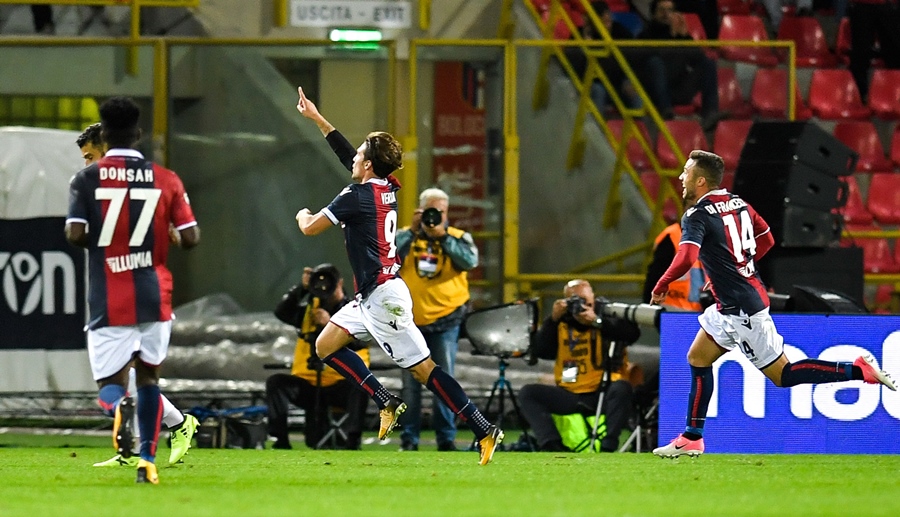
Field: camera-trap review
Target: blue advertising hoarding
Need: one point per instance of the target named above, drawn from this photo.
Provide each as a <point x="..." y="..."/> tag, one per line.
<point x="749" y="414"/>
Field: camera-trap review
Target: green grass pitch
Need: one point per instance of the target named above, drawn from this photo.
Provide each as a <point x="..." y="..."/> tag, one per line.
<point x="53" y="476"/>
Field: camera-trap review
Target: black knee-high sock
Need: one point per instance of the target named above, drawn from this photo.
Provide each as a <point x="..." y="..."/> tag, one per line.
<point x="452" y="394"/>
<point x="351" y="366"/>
<point x="814" y="371"/>
<point x="698" y="403"/>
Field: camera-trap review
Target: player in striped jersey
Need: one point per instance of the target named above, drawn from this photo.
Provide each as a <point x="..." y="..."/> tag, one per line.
<point x="120" y="209"/>
<point x="181" y="426"/>
<point x="367" y="211"/>
<point x="729" y="237"/>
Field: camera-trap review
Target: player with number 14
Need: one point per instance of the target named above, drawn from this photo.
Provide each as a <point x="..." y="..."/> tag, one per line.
<point x="729" y="237"/>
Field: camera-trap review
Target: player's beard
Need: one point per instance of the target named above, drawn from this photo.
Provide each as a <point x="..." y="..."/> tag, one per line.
<point x="689" y="197"/>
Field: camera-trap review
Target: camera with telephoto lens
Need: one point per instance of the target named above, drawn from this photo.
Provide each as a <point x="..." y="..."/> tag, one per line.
<point x="432" y="217"/>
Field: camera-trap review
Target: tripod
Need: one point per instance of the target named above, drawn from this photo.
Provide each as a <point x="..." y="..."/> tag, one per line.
<point x="501" y="389"/>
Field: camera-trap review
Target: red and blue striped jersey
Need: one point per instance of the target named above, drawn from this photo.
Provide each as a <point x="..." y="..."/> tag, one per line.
<point x="128" y="203"/>
<point x="725" y="228"/>
<point x="368" y="214"/>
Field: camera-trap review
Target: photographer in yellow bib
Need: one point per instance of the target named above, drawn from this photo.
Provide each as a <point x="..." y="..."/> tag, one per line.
<point x="436" y="260"/>
<point x="578" y="341"/>
<point x="312" y="385"/>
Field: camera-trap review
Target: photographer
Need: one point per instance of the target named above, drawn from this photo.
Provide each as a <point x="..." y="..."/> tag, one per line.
<point x="435" y="260"/>
<point x="579" y="342"/>
<point x="308" y="307"/>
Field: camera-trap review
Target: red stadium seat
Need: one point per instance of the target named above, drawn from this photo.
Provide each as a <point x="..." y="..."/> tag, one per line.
<point x="842" y="47"/>
<point x="636" y="154"/>
<point x="696" y="30"/>
<point x="862" y="137"/>
<point x="751" y="28"/>
<point x="884" y="94"/>
<point x="651" y="183"/>
<point x="877" y="256"/>
<point x="812" y="49"/>
<point x="729" y="139"/>
<point x="884" y="197"/>
<point x="895" y="146"/>
<point x="688" y="136"/>
<point x="731" y="98"/>
<point x="561" y="30"/>
<point x="855" y="211"/>
<point x="833" y="95"/>
<point x="768" y="95"/>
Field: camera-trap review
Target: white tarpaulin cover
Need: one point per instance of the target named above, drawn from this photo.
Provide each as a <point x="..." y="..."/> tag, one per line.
<point x="35" y="167"/>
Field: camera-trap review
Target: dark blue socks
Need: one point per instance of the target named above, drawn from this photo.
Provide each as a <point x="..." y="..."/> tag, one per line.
<point x="814" y="371"/>
<point x="109" y="398"/>
<point x="149" y="409"/>
<point x="451" y="393"/>
<point x="351" y="366"/>
<point x="698" y="403"/>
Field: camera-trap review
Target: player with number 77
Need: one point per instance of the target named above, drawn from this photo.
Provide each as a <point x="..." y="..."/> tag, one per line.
<point x="121" y="209"/>
<point x="728" y="237"/>
<point x="367" y="211"/>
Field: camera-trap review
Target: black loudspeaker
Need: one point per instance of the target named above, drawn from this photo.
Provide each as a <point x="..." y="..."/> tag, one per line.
<point x="804" y="142"/>
<point x="774" y="186"/>
<point x="831" y="269"/>
<point x="811" y="299"/>
<point x="789" y="172"/>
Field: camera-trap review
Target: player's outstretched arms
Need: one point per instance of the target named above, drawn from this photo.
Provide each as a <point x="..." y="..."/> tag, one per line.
<point x="312" y="224"/>
<point x="308" y="109"/>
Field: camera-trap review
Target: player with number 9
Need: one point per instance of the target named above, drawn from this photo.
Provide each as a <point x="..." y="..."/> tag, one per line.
<point x="382" y="311"/>
<point x="120" y="209"/>
<point x="729" y="237"/>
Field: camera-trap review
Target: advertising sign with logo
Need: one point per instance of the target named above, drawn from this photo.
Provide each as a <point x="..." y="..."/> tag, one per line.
<point x="749" y="414"/>
<point x="42" y="286"/>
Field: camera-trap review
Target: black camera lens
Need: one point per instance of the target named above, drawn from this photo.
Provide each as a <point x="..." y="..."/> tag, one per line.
<point x="322" y="282"/>
<point x="575" y="305"/>
<point x="432" y="217"/>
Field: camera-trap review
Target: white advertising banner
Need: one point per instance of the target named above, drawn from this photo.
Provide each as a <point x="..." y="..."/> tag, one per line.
<point x="383" y="14"/>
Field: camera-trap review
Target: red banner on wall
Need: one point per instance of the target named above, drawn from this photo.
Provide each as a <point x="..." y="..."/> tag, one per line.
<point x="460" y="141"/>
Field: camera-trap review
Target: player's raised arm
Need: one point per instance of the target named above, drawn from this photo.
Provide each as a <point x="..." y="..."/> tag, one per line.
<point x="339" y="144"/>
<point x="308" y="109"/>
<point x="312" y="224"/>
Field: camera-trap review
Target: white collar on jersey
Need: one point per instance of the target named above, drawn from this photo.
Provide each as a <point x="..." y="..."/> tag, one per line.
<point x="379" y="181"/>
<point x="131" y="153"/>
<point x="717" y="192"/>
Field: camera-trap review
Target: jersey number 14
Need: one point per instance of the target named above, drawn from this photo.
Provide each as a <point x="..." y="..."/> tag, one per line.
<point x="740" y="233"/>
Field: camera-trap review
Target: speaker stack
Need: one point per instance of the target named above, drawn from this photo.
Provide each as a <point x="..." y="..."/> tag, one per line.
<point x="791" y="173"/>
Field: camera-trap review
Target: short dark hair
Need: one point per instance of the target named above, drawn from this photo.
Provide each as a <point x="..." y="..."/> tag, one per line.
<point x="328" y="269"/>
<point x="119" y="122"/>
<point x="385" y="152"/>
<point x="90" y="135"/>
<point x="711" y="166"/>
